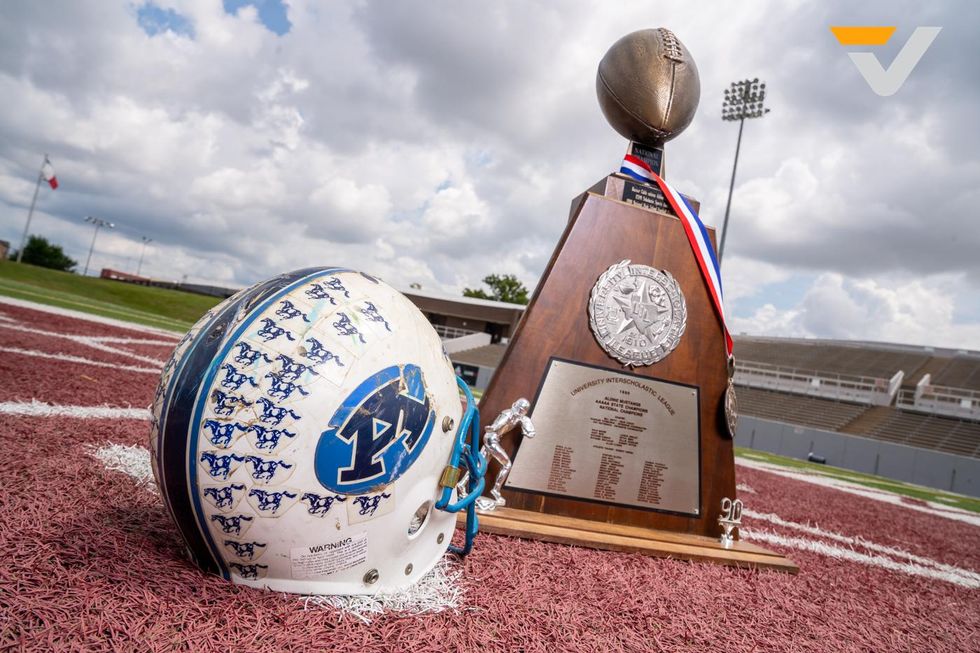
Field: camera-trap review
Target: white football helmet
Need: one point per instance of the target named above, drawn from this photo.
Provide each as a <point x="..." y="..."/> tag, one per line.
<point x="308" y="434"/>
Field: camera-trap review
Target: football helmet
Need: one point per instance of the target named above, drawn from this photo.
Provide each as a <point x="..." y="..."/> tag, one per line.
<point x="307" y="436"/>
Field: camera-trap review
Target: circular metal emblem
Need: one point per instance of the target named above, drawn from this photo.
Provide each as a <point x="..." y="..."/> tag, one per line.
<point x="637" y="313"/>
<point x="731" y="409"/>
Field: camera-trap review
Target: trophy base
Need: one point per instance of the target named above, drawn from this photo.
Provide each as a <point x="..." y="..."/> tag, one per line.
<point x="618" y="537"/>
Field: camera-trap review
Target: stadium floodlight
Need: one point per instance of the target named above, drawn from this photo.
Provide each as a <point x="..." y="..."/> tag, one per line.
<point x="99" y="223"/>
<point x="743" y="101"/>
<point x="146" y="241"/>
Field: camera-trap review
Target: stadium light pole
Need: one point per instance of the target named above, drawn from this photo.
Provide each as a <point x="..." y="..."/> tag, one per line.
<point x="142" y="251"/>
<point x="99" y="223"/>
<point x="743" y="101"/>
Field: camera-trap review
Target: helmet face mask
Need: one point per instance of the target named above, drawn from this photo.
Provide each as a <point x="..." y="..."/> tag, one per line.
<point x="302" y="434"/>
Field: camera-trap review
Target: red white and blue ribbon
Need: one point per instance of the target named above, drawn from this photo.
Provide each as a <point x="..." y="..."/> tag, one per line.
<point x="697" y="235"/>
<point x="637" y="168"/>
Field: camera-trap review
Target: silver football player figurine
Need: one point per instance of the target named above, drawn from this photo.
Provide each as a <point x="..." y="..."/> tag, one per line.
<point x="511" y="418"/>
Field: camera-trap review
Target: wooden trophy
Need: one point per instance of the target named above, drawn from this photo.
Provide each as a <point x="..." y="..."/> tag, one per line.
<point x="622" y="354"/>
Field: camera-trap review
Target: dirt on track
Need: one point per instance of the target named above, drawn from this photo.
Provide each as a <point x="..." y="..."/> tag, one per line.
<point x="93" y="562"/>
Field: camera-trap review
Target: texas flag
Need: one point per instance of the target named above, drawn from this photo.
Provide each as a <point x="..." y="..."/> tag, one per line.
<point x="47" y="171"/>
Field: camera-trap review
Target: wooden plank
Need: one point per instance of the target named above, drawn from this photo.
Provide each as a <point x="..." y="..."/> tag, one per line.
<point x="617" y="529"/>
<point x="653" y="543"/>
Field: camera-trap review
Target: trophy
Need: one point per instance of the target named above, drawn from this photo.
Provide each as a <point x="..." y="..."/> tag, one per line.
<point x="624" y="350"/>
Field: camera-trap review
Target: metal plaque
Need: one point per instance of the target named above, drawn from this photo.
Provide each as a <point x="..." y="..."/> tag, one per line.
<point x="637" y="313"/>
<point x="646" y="196"/>
<point x="652" y="155"/>
<point x="614" y="438"/>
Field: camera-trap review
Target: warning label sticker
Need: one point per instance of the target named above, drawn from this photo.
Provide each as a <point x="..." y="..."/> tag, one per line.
<point x="321" y="560"/>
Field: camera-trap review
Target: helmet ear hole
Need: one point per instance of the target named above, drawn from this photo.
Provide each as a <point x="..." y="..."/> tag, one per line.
<point x="419" y="519"/>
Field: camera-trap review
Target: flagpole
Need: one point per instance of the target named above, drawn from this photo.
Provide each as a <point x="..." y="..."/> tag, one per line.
<point x="30" y="213"/>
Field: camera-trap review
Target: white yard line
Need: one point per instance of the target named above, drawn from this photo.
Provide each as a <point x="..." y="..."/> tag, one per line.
<point x="133" y="461"/>
<point x="135" y="341"/>
<point x="97" y="343"/>
<point x="90" y="341"/>
<point x="851" y="555"/>
<point x="852" y="542"/>
<point x="930" y="508"/>
<point x="68" y="358"/>
<point x="40" y="409"/>
<point x="67" y="312"/>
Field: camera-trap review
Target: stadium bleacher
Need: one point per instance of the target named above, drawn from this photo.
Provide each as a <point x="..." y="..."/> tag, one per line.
<point x="936" y="432"/>
<point x="815" y="412"/>
<point x="960" y="372"/>
<point x="834" y="357"/>
<point x="916" y="428"/>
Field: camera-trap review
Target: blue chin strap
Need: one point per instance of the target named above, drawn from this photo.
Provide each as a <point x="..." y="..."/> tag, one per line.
<point x="476" y="469"/>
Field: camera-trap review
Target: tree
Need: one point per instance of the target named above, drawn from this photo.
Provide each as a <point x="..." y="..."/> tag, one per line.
<point x="38" y="251"/>
<point x="503" y="288"/>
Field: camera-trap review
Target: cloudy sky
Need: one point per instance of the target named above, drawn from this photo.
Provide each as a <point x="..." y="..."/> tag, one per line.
<point x="436" y="142"/>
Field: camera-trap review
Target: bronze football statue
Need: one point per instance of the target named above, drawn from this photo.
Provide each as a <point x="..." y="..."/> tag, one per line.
<point x="648" y="86"/>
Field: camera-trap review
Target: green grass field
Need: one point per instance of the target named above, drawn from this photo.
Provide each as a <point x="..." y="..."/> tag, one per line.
<point x="172" y="310"/>
<point x="867" y="480"/>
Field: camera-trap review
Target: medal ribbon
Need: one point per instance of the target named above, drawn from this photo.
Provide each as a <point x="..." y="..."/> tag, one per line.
<point x="637" y="168"/>
<point x="697" y="235"/>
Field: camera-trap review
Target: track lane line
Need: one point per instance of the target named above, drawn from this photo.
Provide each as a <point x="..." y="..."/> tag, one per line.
<point x="78" y="359"/>
<point x="40" y="409"/>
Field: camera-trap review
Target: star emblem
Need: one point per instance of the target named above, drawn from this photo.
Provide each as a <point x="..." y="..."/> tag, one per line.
<point x="639" y="314"/>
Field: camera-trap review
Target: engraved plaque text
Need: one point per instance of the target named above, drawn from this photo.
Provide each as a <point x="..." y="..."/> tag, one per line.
<point x="612" y="437"/>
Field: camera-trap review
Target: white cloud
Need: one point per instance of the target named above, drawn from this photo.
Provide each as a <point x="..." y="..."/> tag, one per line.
<point x="439" y="142"/>
<point x="913" y="311"/>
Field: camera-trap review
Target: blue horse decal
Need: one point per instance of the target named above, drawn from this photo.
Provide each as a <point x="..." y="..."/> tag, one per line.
<point x="231" y="525"/>
<point x="335" y="284"/>
<point x="249" y="572"/>
<point x="267" y="439"/>
<point x="270" y="331"/>
<point x="317" y="352"/>
<point x="320" y="505"/>
<point x="369" y="505"/>
<point x="270" y="501"/>
<point x="370" y="311"/>
<point x="265" y="470"/>
<point x="224" y="497"/>
<point x="280" y="388"/>
<point x="346" y="328"/>
<point x="291" y="370"/>
<point x="247" y="355"/>
<point x="226" y="404"/>
<point x="316" y="291"/>
<point x="287" y="311"/>
<point x="234" y="379"/>
<point x="219" y="466"/>
<point x="244" y="550"/>
<point x="273" y="414"/>
<point x="222" y="433"/>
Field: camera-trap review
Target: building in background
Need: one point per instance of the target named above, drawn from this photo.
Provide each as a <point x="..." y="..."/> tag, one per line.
<point x="453" y="317"/>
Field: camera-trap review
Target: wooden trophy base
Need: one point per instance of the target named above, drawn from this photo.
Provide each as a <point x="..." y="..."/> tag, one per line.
<point x="632" y="539"/>
<point x="625" y="458"/>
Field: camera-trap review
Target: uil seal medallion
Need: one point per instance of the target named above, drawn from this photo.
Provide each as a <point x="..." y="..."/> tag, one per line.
<point x="637" y="313"/>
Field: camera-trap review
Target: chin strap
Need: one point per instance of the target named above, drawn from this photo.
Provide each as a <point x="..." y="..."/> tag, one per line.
<point x="476" y="467"/>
